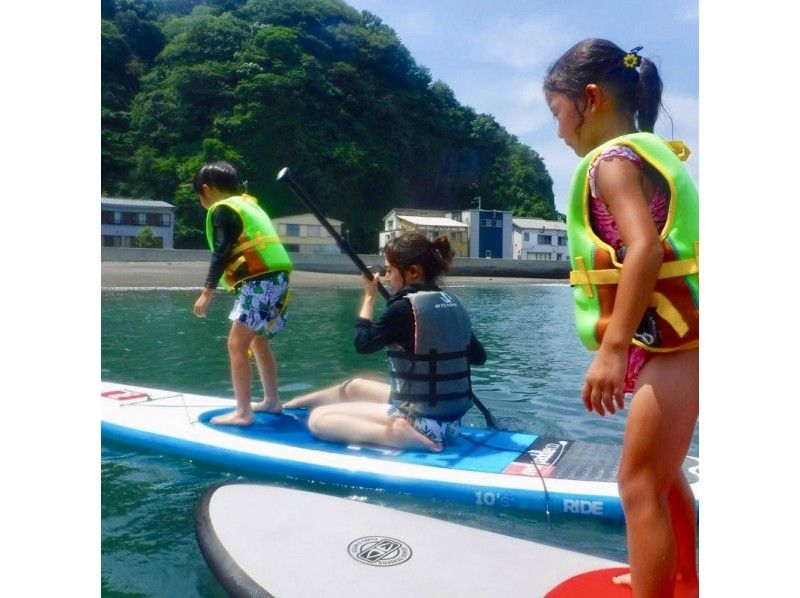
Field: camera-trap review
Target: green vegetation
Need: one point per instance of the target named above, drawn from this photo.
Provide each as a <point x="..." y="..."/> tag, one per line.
<point x="146" y="238"/>
<point x="310" y="84"/>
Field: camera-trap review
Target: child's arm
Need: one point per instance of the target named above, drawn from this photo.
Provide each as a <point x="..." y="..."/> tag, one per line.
<point x="227" y="228"/>
<point x="621" y="185"/>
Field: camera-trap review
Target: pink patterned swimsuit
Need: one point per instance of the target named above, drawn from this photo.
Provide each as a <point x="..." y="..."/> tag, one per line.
<point x="606" y="228"/>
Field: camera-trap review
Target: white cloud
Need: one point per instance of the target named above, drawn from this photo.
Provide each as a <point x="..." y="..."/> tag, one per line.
<point x="526" y="44"/>
<point x="418" y="23"/>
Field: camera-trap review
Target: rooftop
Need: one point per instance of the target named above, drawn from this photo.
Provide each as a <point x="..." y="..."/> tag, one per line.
<point x="434" y="221"/>
<point x="539" y="223"/>
<point x="307" y="218"/>
<point x="134" y="203"/>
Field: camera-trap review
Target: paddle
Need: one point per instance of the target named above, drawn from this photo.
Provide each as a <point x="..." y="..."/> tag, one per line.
<point x="285" y="176"/>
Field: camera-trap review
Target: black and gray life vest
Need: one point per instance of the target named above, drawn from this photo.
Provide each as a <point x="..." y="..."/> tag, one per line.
<point x="434" y="380"/>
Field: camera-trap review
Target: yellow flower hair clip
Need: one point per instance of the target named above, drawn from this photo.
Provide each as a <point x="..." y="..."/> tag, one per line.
<point x="632" y="59"/>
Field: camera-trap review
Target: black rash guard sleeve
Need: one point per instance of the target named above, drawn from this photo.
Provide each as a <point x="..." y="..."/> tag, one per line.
<point x="476" y="354"/>
<point x="227" y="227"/>
<point x="395" y="325"/>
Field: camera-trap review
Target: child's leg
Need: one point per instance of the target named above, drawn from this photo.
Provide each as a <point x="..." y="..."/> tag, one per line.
<point x="365" y="423"/>
<point x="660" y="424"/>
<point x="354" y="389"/>
<point x="239" y="340"/>
<point x="684" y="523"/>
<point x="268" y="371"/>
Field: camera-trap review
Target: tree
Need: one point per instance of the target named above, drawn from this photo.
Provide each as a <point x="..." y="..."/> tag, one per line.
<point x="146" y="239"/>
<point x="310" y="84"/>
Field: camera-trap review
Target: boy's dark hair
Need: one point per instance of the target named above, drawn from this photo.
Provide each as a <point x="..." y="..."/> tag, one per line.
<point x="434" y="257"/>
<point x="599" y="61"/>
<point x="221" y="175"/>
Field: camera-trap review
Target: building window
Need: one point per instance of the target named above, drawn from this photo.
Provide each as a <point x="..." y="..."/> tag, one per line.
<point x="292" y="247"/>
<point x="526" y="237"/>
<point x="539" y="256"/>
<point x="544" y="239"/>
<point x="562" y="241"/>
<point x="326" y="250"/>
<point x="108" y="240"/>
<point x="292" y="230"/>
<point x="312" y="230"/>
<point x="107" y="217"/>
<point x="559" y="256"/>
<point x="498" y="223"/>
<point x="130" y="218"/>
<point x="389" y="224"/>
<point x="117" y="217"/>
<point x="142" y="219"/>
<point x="488" y="253"/>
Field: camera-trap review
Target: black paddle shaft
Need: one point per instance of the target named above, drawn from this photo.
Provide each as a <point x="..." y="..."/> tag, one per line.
<point x="285" y="176"/>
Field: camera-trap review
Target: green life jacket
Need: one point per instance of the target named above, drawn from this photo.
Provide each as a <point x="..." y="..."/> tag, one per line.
<point x="672" y="322"/>
<point x="258" y="250"/>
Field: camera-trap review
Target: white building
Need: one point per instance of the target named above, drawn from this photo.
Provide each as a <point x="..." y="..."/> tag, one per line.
<point x="302" y="233"/>
<point x="431" y="223"/>
<point x="121" y="221"/>
<point x="537" y="239"/>
<point x="472" y="233"/>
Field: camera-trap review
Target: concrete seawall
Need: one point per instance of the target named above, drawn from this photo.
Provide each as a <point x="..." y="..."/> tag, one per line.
<point x="341" y="264"/>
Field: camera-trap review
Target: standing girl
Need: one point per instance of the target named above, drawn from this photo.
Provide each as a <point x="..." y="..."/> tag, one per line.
<point x="430" y="349"/>
<point x="633" y="237"/>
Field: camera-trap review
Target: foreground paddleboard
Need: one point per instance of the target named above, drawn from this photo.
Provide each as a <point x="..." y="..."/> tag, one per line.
<point x="493" y="468"/>
<point x="263" y="540"/>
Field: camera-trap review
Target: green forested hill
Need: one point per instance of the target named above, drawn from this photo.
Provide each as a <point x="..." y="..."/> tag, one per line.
<point x="310" y="84"/>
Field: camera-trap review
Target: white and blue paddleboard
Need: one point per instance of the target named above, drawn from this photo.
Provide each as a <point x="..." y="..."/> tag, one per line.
<point x="494" y="468"/>
<point x="261" y="540"/>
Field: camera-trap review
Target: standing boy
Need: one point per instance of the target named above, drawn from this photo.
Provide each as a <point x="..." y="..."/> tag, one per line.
<point x="247" y="257"/>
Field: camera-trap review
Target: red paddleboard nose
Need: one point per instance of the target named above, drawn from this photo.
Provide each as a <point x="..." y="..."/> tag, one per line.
<point x="592" y="584"/>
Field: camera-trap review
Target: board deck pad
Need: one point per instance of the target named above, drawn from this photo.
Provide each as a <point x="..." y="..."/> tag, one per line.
<point x="259" y="540"/>
<point x="495" y="468"/>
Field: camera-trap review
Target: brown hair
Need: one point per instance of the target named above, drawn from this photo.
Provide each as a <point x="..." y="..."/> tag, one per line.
<point x="412" y="248"/>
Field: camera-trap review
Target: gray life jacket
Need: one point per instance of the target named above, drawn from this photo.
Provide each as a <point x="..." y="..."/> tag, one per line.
<point x="434" y="380"/>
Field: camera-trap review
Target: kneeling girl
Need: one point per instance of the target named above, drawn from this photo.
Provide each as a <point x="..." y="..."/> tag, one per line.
<point x="430" y="346"/>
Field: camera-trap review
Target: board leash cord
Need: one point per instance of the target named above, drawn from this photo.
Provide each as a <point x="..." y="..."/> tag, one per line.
<point x="538" y="471"/>
<point x="150" y="399"/>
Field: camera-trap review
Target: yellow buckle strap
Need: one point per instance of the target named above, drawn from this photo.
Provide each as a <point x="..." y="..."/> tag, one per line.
<point x="582" y="275"/>
<point x="669" y="313"/>
<point x="679" y="148"/>
<point x="259" y="241"/>
<point x="233" y="266"/>
<point x="585" y="277"/>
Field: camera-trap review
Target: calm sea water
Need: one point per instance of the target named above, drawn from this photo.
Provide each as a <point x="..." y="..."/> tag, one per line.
<point x="531" y="382"/>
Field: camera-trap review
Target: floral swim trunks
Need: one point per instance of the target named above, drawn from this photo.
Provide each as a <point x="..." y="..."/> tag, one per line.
<point x="434" y="429"/>
<point x="261" y="304"/>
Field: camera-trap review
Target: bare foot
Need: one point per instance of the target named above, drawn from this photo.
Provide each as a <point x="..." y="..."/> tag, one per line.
<point x="622" y="580"/>
<point x="408" y="437"/>
<point x="326" y="396"/>
<point x="267" y="406"/>
<point x="234" y="418"/>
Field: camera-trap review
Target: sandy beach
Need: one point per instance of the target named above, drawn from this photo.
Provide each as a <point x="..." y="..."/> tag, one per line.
<point x="192" y="275"/>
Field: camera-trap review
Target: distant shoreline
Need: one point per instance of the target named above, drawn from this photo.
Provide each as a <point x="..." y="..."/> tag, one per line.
<point x="193" y="274"/>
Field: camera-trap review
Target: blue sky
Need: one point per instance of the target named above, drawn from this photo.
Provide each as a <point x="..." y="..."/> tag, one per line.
<point x="493" y="55"/>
